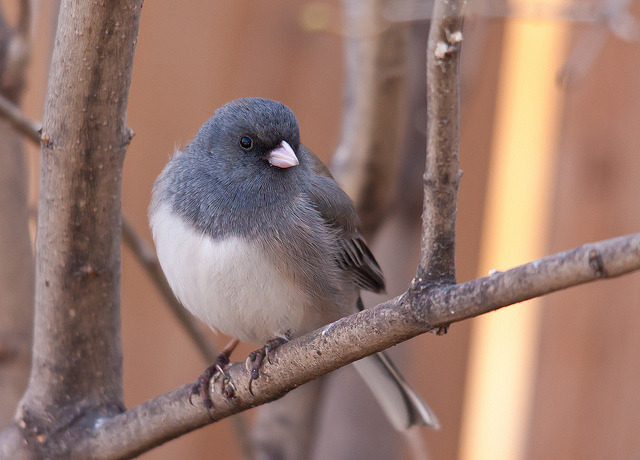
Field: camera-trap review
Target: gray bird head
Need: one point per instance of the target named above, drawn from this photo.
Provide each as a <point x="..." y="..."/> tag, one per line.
<point x="250" y="134"/>
<point x="246" y="157"/>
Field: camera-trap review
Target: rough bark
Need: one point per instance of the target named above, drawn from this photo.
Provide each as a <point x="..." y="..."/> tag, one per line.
<point x="76" y="374"/>
<point x="442" y="176"/>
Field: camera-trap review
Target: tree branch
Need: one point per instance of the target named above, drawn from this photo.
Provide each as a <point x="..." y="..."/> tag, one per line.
<point x="76" y="370"/>
<point x="147" y="258"/>
<point x="16" y="265"/>
<point x="441" y="177"/>
<point x="365" y="162"/>
<point x="20" y="122"/>
<point x="15" y="52"/>
<point x="417" y="311"/>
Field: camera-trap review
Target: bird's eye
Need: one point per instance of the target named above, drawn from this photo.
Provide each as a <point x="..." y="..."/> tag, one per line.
<point x="246" y="142"/>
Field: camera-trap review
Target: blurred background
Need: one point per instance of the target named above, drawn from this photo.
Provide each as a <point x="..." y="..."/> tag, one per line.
<point x="550" y="154"/>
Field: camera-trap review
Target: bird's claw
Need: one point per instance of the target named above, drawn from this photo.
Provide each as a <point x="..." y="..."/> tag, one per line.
<point x="213" y="373"/>
<point x="255" y="360"/>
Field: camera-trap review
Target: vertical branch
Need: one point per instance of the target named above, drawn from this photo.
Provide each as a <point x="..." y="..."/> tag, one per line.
<point x="286" y="428"/>
<point x="443" y="142"/>
<point x="16" y="263"/>
<point x="365" y="163"/>
<point x="77" y="357"/>
<point x="16" y="274"/>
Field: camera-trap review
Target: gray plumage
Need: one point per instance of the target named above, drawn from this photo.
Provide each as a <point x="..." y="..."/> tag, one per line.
<point x="293" y="221"/>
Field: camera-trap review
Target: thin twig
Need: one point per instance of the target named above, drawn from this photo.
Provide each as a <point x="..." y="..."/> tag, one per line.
<point x="441" y="175"/>
<point x="24" y="25"/>
<point x="612" y="17"/>
<point x="148" y="260"/>
<point x="16" y="117"/>
<point x="16" y="53"/>
<point x="324" y="350"/>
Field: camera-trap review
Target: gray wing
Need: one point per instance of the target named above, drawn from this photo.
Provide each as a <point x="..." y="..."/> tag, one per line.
<point x="336" y="208"/>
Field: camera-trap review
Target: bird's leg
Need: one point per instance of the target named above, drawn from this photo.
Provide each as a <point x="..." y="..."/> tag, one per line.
<point x="256" y="358"/>
<point x="214" y="371"/>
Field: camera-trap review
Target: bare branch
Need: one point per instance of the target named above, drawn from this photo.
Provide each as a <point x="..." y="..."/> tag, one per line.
<point x="611" y="17"/>
<point x="77" y="359"/>
<point x="25" y="20"/>
<point x="16" y="53"/>
<point x="147" y="258"/>
<point x="23" y="124"/>
<point x="16" y="264"/>
<point x="443" y="143"/>
<point x="365" y="163"/>
<point x="306" y="358"/>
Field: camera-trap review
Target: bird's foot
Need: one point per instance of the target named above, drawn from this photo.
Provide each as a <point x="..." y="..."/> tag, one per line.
<point x="215" y="372"/>
<point x="255" y="360"/>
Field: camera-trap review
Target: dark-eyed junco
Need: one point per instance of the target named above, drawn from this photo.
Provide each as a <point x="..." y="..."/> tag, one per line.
<point x="258" y="241"/>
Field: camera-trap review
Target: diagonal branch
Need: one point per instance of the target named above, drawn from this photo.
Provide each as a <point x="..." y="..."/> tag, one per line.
<point x="16" y="118"/>
<point x="170" y="415"/>
<point x="147" y="258"/>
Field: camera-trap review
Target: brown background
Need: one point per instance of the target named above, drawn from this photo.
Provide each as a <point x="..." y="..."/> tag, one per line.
<point x="195" y="55"/>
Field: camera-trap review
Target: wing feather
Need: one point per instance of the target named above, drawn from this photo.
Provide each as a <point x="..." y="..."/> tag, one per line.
<point x="338" y="211"/>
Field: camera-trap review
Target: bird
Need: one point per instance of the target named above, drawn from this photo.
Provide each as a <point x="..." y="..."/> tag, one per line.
<point x="258" y="241"/>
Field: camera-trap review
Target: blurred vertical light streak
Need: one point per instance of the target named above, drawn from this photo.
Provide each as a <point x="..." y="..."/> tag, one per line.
<point x="501" y="373"/>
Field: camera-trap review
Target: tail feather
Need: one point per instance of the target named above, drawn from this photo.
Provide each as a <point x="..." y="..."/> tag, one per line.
<point x="401" y="404"/>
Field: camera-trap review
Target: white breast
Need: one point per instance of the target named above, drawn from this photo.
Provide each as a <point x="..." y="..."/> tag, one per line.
<point x="228" y="284"/>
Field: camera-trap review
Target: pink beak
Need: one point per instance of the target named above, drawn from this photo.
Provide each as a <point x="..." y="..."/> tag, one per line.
<point x="283" y="156"/>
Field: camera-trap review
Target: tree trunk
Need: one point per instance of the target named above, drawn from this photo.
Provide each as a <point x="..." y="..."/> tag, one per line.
<point x="76" y="374"/>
